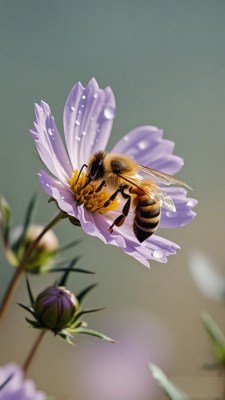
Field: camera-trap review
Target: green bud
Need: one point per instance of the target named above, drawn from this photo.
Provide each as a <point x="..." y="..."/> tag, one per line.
<point x="55" y="308"/>
<point x="43" y="254"/>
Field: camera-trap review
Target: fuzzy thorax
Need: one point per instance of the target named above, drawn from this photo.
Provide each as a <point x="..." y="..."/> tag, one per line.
<point x="93" y="201"/>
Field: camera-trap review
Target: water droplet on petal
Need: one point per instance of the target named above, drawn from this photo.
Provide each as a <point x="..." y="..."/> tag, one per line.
<point x="190" y="203"/>
<point x="171" y="214"/>
<point x="72" y="108"/>
<point x="82" y="105"/>
<point x="109" y="113"/>
<point x="84" y="133"/>
<point x="77" y="122"/>
<point x="95" y="95"/>
<point x="158" y="254"/>
<point x="78" y="138"/>
<point x="126" y="138"/>
<point x="83" y="97"/>
<point x="143" y="145"/>
<point x="79" y="112"/>
<point x="50" y="131"/>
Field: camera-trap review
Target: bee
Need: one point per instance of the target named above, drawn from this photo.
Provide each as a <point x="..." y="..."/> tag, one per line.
<point x="121" y="174"/>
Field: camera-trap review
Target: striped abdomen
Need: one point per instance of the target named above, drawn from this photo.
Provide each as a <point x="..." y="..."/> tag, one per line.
<point x="147" y="217"/>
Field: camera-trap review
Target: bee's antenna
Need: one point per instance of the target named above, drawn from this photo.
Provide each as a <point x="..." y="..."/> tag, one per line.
<point x="84" y="165"/>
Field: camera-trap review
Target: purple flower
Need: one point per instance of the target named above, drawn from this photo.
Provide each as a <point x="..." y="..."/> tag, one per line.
<point x="88" y="119"/>
<point x="16" y="388"/>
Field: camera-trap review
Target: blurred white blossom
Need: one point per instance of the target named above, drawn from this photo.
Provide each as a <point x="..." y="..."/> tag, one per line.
<point x="206" y="276"/>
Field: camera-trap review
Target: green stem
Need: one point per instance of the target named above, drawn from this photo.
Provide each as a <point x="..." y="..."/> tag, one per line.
<point x="14" y="283"/>
<point x="33" y="351"/>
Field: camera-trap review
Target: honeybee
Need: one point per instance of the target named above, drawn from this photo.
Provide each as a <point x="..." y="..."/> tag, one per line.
<point x="121" y="173"/>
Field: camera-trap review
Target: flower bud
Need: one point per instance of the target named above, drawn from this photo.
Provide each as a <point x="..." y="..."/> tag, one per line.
<point x="44" y="252"/>
<point x="55" y="308"/>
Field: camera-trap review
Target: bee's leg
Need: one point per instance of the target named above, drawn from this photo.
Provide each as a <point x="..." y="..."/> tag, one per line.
<point x="99" y="188"/>
<point x="111" y="198"/>
<point x="119" y="221"/>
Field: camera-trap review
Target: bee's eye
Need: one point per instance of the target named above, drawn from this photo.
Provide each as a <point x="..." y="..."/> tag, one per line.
<point x="96" y="170"/>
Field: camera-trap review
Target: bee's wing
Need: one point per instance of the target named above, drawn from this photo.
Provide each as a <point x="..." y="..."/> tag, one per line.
<point x="152" y="191"/>
<point x="162" y="176"/>
<point x="162" y="198"/>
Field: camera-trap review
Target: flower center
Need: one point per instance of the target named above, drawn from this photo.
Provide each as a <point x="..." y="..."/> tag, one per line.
<point x="93" y="201"/>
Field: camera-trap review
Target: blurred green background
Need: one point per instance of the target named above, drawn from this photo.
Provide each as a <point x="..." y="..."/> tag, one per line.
<point x="165" y="61"/>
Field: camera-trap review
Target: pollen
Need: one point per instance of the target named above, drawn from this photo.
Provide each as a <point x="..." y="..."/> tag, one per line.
<point x="93" y="200"/>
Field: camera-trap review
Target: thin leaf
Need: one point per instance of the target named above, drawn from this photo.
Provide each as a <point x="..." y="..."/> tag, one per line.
<point x="172" y="392"/>
<point x="84" y="271"/>
<point x="85" y="291"/>
<point x="30" y="294"/>
<point x="34" y="324"/>
<point x="90" y="332"/>
<point x="29" y="309"/>
<point x="66" y="336"/>
<point x="63" y="280"/>
<point x="82" y="312"/>
<point x="216" y="336"/>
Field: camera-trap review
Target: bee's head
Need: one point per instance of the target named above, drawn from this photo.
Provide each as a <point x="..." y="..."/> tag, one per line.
<point x="96" y="166"/>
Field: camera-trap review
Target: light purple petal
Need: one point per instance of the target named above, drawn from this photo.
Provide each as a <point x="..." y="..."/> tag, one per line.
<point x="183" y="213"/>
<point x="88" y="119"/>
<point x="17" y="387"/>
<point x="60" y="192"/>
<point x="146" y="146"/>
<point x="49" y="143"/>
<point x="155" y="248"/>
<point x="97" y="225"/>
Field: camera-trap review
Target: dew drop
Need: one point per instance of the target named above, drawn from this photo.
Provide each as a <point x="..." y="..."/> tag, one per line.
<point x="77" y="122"/>
<point x="84" y="133"/>
<point x="158" y="254"/>
<point x="83" y="97"/>
<point x="82" y="105"/>
<point x="126" y="138"/>
<point x="171" y="214"/>
<point x="78" y="138"/>
<point x="72" y="108"/>
<point x="190" y="203"/>
<point x="50" y="131"/>
<point x="143" y="145"/>
<point x="79" y="112"/>
<point x="95" y="95"/>
<point x="109" y="113"/>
